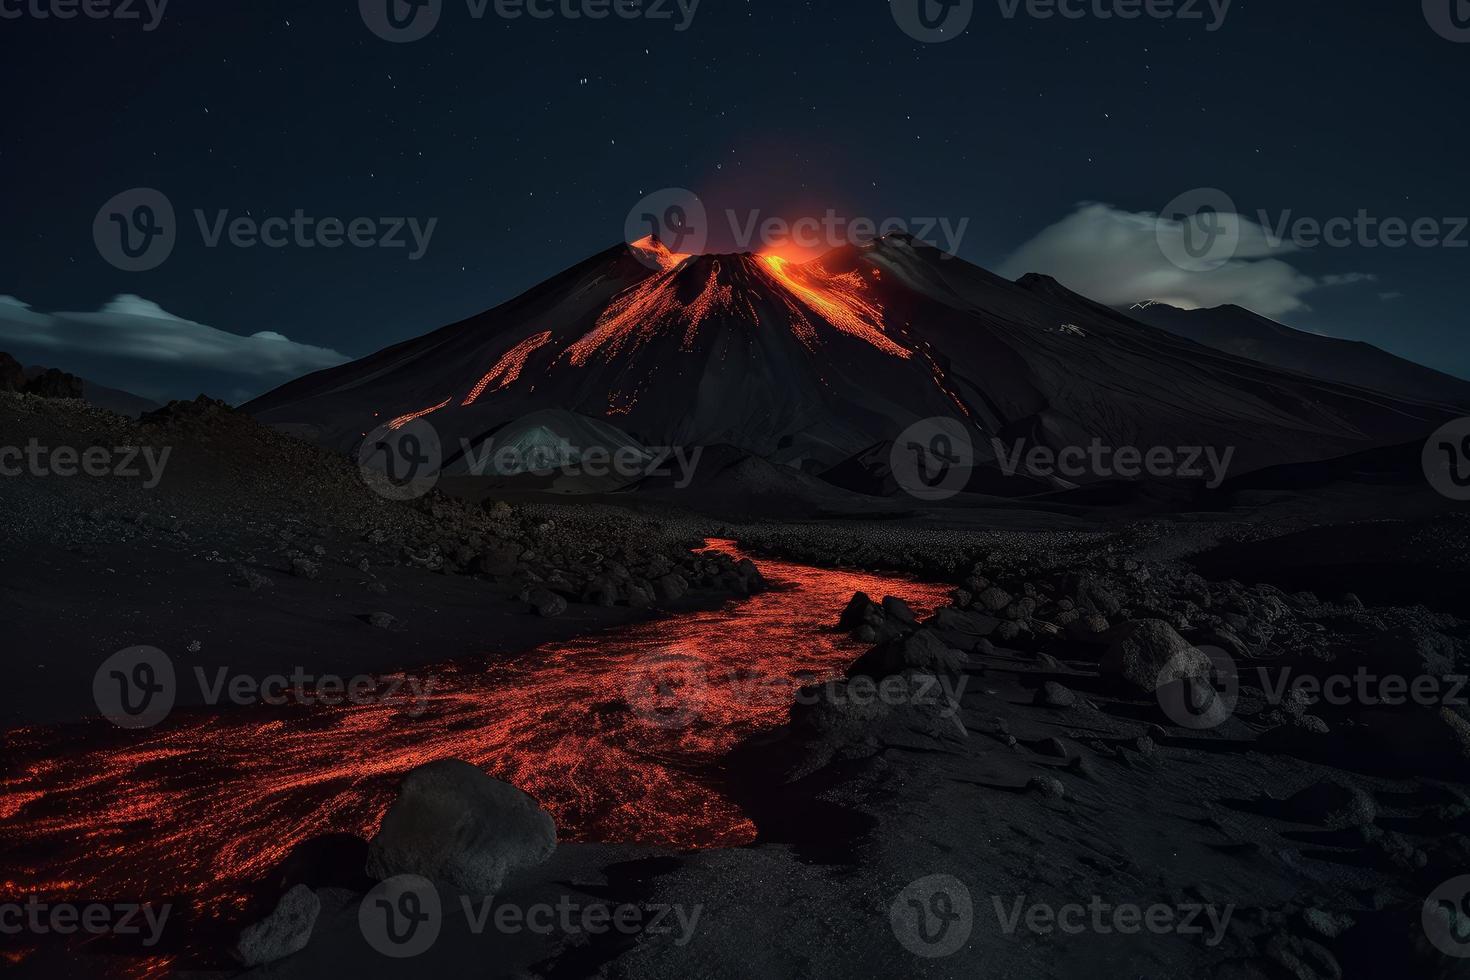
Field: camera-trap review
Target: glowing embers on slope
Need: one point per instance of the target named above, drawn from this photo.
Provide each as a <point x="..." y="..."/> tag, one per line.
<point x="838" y="299"/>
<point x="643" y="312"/>
<point x="403" y="420"/>
<point x="617" y="734"/>
<point x="509" y="367"/>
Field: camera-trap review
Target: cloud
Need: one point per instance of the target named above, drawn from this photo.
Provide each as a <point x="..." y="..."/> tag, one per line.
<point x="133" y="328"/>
<point x="1117" y="258"/>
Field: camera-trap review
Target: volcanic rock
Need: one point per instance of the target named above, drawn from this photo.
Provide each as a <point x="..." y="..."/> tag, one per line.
<point x="920" y="650"/>
<point x="1332" y="803"/>
<point x="285" y="931"/>
<point x="547" y="603"/>
<point x="461" y="829"/>
<point x="1147" y="653"/>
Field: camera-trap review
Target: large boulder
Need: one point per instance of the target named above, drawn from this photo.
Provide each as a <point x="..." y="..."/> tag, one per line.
<point x="546" y="603"/>
<point x="919" y="650"/>
<point x="1146" y="654"/>
<point x="285" y="931"/>
<point x="963" y="628"/>
<point x="461" y="829"/>
<point x="861" y="611"/>
<point x="670" y="587"/>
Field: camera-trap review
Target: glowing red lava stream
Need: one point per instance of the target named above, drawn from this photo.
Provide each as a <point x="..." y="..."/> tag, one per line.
<point x="610" y="732"/>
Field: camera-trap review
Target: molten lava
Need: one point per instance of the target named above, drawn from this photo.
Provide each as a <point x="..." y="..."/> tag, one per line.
<point x="509" y="367"/>
<point x="838" y="299"/>
<point x="618" y="735"/>
<point x="403" y="420"/>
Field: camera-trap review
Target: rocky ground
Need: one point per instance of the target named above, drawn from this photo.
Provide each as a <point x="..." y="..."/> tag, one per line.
<point x="1085" y="764"/>
<point x="1096" y="759"/>
<point x="258" y="551"/>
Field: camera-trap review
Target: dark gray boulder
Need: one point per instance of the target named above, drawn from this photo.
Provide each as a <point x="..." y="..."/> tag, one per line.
<point x="461" y="829"/>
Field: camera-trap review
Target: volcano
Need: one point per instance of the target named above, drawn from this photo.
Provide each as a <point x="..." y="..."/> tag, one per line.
<point x="821" y="364"/>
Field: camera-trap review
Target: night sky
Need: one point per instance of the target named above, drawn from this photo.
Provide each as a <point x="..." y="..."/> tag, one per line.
<point x="530" y="140"/>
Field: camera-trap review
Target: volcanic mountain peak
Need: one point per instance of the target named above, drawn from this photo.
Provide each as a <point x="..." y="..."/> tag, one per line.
<point x="810" y="364"/>
<point x="755" y="290"/>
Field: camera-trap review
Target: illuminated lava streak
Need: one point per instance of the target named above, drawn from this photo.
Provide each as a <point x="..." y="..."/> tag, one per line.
<point x="509" y="367"/>
<point x="644" y="311"/>
<point x="841" y="300"/>
<point x="403" y="420"/>
<point x="616" y="734"/>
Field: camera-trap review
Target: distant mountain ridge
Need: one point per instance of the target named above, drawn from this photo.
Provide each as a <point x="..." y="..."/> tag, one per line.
<point x="1238" y="331"/>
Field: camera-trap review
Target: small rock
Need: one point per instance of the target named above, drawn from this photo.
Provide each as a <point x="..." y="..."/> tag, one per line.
<point x="1048" y="786"/>
<point x="1333" y="803"/>
<point x="993" y="599"/>
<point x="547" y="603"/>
<point x="860" y="611"/>
<point x="305" y="568"/>
<point x="249" y="578"/>
<point x="1053" y="747"/>
<point x="285" y="931"/>
<point x="896" y="608"/>
<point x="382" y="620"/>
<point x="1056" y="695"/>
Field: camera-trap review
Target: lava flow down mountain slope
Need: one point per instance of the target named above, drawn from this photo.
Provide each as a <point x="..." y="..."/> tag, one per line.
<point x="814" y="364"/>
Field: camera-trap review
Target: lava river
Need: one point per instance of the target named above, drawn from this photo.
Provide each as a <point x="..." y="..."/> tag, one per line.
<point x="615" y="733"/>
